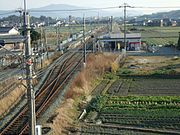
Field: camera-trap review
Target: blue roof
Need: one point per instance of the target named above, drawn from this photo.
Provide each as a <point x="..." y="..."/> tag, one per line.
<point x="5" y="29"/>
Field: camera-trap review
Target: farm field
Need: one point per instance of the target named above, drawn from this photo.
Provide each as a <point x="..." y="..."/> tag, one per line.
<point x="158" y="35"/>
<point x="149" y="87"/>
<point x="142" y="97"/>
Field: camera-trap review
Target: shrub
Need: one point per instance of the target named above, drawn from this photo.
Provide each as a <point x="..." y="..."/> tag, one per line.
<point x="114" y="67"/>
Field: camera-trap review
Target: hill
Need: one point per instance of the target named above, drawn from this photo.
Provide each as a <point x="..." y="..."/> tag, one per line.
<point x="116" y="13"/>
<point x="171" y="14"/>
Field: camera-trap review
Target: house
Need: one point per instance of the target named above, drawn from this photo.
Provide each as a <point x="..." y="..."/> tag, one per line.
<point x="8" y="31"/>
<point x="167" y="22"/>
<point x="155" y="22"/>
<point x="115" y="41"/>
<point x="10" y="38"/>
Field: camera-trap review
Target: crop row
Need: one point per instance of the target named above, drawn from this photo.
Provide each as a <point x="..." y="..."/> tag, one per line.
<point x="160" y="41"/>
<point x="148" y="113"/>
<point x="99" y="89"/>
<point x="142" y="123"/>
<point x="146" y="98"/>
<point x="119" y="87"/>
<point x="103" y="130"/>
<point x="153" y="118"/>
<point x="145" y="87"/>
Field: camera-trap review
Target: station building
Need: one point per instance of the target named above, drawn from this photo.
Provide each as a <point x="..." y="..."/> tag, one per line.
<point x="115" y="41"/>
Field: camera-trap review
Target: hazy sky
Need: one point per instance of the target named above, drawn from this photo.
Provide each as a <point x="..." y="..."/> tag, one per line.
<point x="14" y="4"/>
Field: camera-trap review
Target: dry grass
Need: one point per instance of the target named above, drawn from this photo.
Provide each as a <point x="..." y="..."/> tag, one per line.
<point x="7" y="82"/>
<point x="96" y="66"/>
<point x="7" y="102"/>
<point x="62" y="119"/>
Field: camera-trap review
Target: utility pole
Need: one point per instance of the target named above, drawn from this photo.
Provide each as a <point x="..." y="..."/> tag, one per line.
<point x="30" y="91"/>
<point x="57" y="36"/>
<point x="125" y="25"/>
<point x="111" y="23"/>
<point x="42" y="47"/>
<point x="84" y="41"/>
<point x="125" y="6"/>
<point x="98" y="19"/>
<point x="108" y="25"/>
<point x="45" y="42"/>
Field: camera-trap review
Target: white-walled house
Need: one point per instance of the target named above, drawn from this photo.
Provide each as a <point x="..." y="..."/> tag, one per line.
<point x="4" y="31"/>
<point x="11" y="38"/>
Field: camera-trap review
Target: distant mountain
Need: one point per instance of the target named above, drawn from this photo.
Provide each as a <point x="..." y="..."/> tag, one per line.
<point x="116" y="13"/>
<point x="5" y="13"/>
<point x="172" y="14"/>
<point x="62" y="14"/>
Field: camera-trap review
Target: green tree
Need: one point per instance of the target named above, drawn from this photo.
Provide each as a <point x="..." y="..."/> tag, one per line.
<point x="35" y="35"/>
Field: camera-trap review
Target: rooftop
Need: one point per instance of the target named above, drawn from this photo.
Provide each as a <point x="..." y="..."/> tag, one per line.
<point x="120" y="36"/>
<point x="5" y="29"/>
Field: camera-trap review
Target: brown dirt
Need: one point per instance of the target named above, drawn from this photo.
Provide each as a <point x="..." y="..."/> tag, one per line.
<point x="96" y="66"/>
<point x="149" y="63"/>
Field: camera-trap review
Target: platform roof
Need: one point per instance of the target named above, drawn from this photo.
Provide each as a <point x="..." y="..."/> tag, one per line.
<point x="119" y="36"/>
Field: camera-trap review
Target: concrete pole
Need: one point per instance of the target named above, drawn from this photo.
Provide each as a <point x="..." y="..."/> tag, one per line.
<point x="57" y="42"/>
<point x="84" y="41"/>
<point x="30" y="91"/>
<point x="42" y="47"/>
<point x="94" y="45"/>
<point x="45" y="42"/>
<point x="111" y="23"/>
<point x="125" y="26"/>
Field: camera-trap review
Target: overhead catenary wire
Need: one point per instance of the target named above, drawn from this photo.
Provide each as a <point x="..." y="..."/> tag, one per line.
<point x="90" y="9"/>
<point x="73" y="10"/>
<point x="103" y="8"/>
<point x="154" y="7"/>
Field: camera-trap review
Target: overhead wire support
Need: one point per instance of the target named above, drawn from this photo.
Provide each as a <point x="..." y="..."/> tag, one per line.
<point x="30" y="90"/>
<point x="84" y="40"/>
<point x="125" y="6"/>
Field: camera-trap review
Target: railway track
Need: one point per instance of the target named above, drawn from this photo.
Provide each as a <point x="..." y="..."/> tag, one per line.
<point x="56" y="79"/>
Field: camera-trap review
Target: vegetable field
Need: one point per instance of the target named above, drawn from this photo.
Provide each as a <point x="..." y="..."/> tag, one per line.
<point x="149" y="87"/>
<point x="142" y="97"/>
<point x="152" y="114"/>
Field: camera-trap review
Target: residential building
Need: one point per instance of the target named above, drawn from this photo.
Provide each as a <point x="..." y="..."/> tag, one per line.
<point x="4" y="31"/>
<point x="11" y="38"/>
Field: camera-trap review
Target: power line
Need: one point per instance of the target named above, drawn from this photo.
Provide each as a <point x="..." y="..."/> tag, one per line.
<point x="103" y="8"/>
<point x="73" y="10"/>
<point x="155" y="7"/>
<point x="90" y="9"/>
